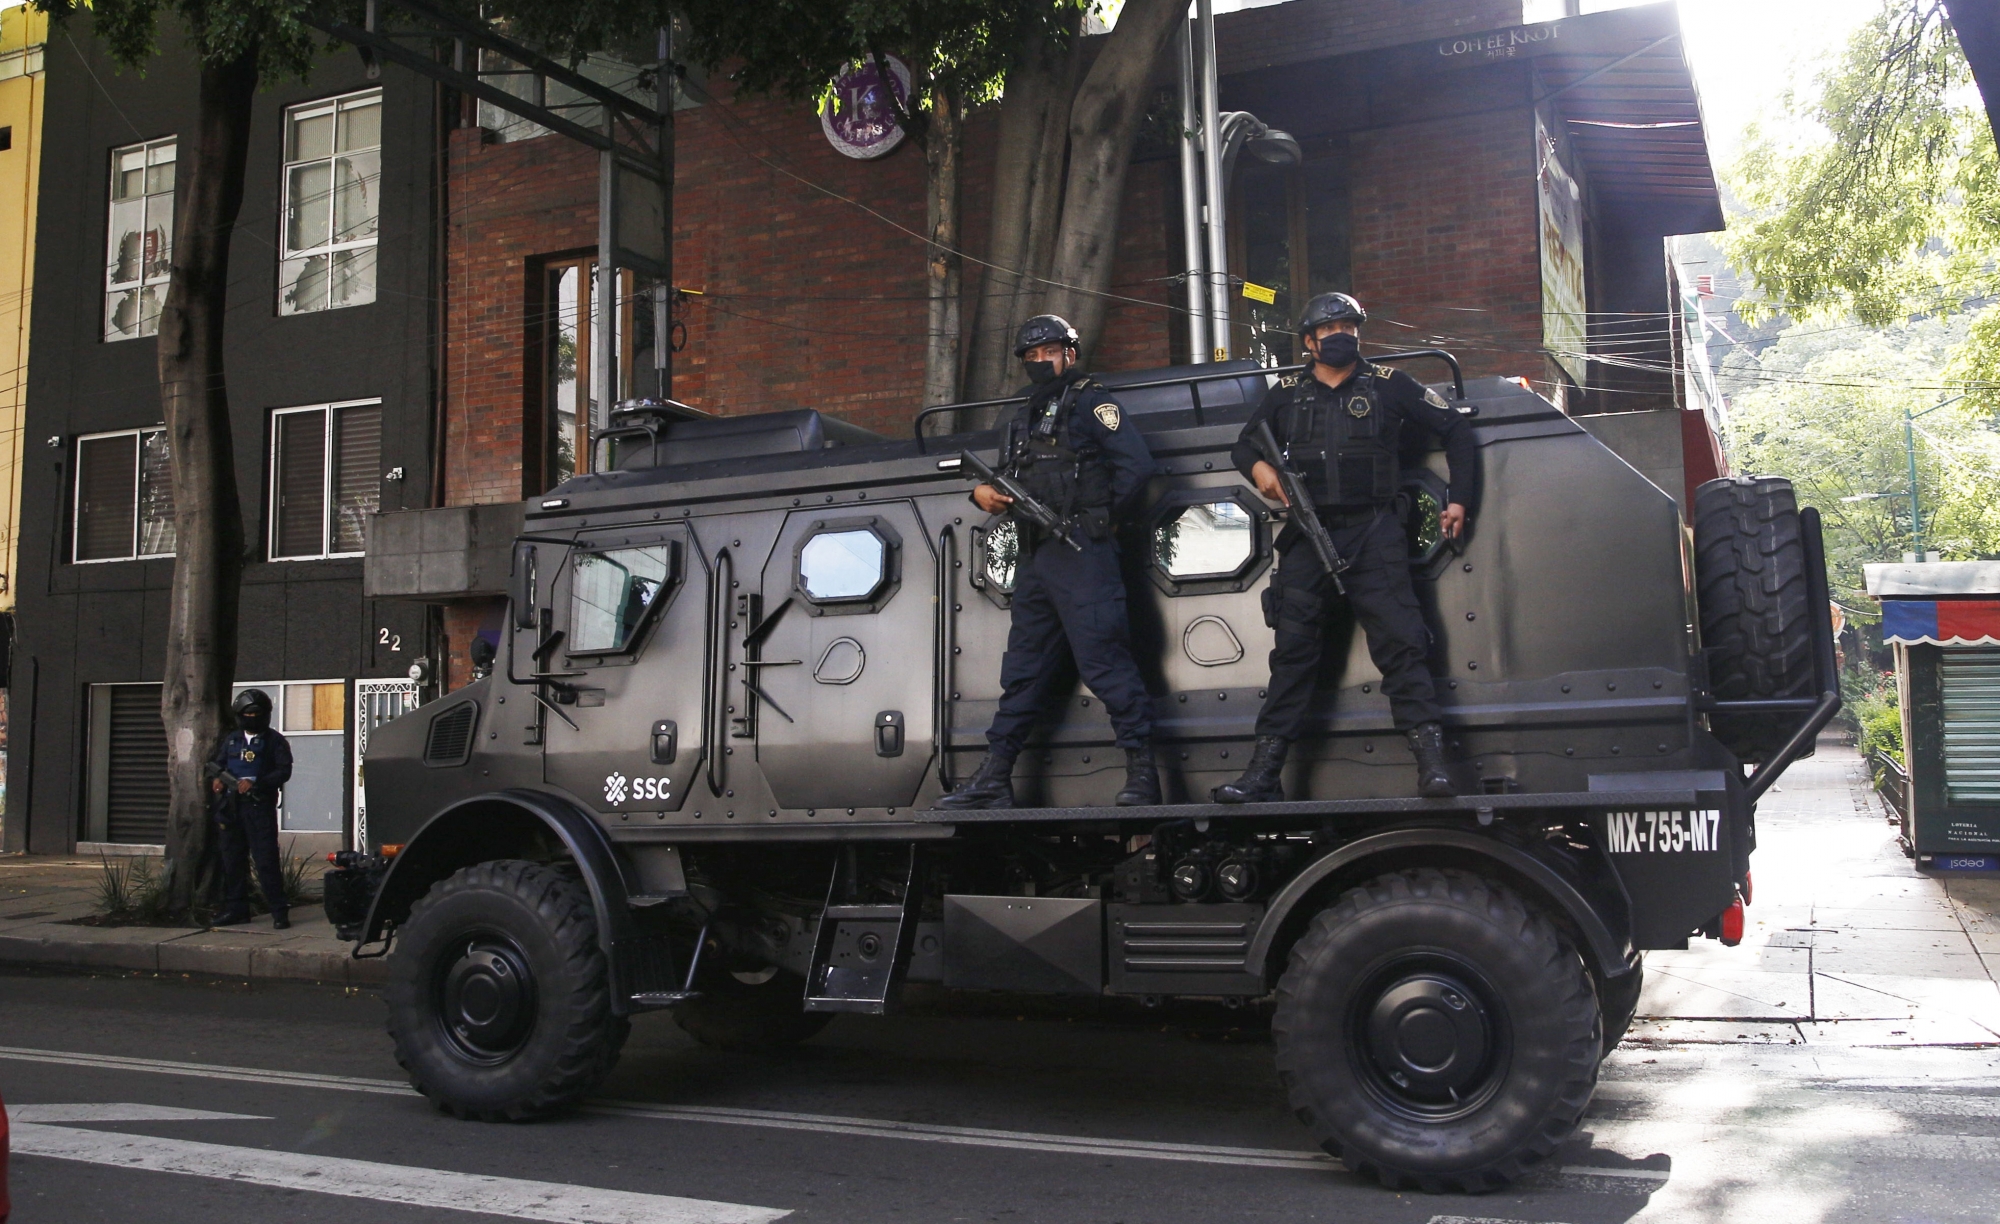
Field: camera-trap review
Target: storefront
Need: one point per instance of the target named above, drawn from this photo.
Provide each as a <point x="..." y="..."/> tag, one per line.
<point x="1943" y="621"/>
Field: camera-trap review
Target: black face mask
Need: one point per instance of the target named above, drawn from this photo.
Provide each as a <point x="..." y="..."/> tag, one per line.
<point x="252" y="724"/>
<point x="1041" y="373"/>
<point x="1339" y="349"/>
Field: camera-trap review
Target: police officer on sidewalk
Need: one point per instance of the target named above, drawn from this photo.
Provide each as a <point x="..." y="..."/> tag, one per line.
<point x="1074" y="449"/>
<point x="1346" y="427"/>
<point x="250" y="767"/>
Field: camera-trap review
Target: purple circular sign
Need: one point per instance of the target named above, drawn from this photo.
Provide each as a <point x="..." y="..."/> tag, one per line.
<point x="857" y="118"/>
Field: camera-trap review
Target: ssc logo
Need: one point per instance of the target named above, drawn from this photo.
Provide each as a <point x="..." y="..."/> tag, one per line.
<point x="618" y="788"/>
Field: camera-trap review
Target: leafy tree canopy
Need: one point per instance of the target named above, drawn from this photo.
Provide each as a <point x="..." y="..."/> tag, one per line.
<point x="1896" y="214"/>
<point x="1830" y="417"/>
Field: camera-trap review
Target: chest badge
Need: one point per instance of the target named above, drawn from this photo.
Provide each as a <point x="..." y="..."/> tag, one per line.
<point x="1107" y="415"/>
<point x="1359" y="406"/>
<point x="248" y="754"/>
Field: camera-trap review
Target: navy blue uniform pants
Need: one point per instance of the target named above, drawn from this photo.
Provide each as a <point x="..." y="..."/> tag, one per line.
<point x="1301" y="597"/>
<point x="1066" y="598"/>
<point x="249" y="834"/>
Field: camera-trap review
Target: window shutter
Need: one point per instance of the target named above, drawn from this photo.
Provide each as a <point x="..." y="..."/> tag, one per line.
<point x="136" y="786"/>
<point x="299" y="529"/>
<point x="357" y="474"/>
<point x="105" y="479"/>
<point x="1971" y="726"/>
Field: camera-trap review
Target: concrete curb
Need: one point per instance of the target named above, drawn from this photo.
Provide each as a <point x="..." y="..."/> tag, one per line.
<point x="208" y="952"/>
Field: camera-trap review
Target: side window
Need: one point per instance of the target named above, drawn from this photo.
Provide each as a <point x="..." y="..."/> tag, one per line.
<point x="1424" y="494"/>
<point x="326" y="479"/>
<point x="333" y="203"/>
<point x="848" y="566"/>
<point x="124" y="497"/>
<point x="611" y="592"/>
<point x="140" y="236"/>
<point x="1207" y="541"/>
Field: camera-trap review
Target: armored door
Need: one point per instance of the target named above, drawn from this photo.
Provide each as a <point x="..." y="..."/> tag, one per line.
<point x="836" y="680"/>
<point x="621" y="642"/>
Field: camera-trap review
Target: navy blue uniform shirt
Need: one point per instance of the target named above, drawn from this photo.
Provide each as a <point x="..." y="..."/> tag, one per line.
<point x="1096" y="418"/>
<point x="265" y="759"/>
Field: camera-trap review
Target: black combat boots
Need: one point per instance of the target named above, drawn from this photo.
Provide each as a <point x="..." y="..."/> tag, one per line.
<point x="1427" y="745"/>
<point x="1142" y="778"/>
<point x="1263" y="781"/>
<point x="990" y="786"/>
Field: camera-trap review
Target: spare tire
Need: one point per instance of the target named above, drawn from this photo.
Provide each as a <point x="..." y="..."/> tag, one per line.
<point x="1755" y="606"/>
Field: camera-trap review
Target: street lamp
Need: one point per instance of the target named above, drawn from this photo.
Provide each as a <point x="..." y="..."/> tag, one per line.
<point x="1910" y="449"/>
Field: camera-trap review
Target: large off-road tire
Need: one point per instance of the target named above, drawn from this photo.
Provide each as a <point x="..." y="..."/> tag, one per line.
<point x="1755" y="605"/>
<point x="1617" y="1003"/>
<point x="749" y="1011"/>
<point x="499" y="996"/>
<point x="1435" y="1031"/>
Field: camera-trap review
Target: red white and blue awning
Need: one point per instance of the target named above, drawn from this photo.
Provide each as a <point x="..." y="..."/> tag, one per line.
<point x="1941" y="622"/>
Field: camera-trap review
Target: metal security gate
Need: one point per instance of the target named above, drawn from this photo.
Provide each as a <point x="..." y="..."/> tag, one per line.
<point x="1971" y="726"/>
<point x="375" y="702"/>
<point x="130" y="766"/>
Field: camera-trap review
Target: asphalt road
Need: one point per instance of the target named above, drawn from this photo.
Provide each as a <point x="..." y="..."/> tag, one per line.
<point x="175" y="1101"/>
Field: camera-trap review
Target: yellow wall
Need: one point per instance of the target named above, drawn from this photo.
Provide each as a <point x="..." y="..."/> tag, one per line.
<point x="22" y="33"/>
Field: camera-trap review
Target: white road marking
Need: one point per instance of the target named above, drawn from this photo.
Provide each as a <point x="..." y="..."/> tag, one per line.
<point x="1475" y="1220"/>
<point x="553" y="1202"/>
<point x="257" y="1075"/>
<point x="123" y="1111"/>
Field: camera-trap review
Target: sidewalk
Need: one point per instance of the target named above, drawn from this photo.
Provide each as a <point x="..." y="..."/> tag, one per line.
<point x="39" y="895"/>
<point x="1845" y="943"/>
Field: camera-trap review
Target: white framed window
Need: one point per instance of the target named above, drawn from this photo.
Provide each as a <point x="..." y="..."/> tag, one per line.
<point x="139" y="238"/>
<point x="332" y="206"/>
<point x="124" y="496"/>
<point x="326" y="479"/>
<point x="312" y="715"/>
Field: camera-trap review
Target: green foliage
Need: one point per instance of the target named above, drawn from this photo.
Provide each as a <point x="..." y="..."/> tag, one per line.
<point x="1871" y="702"/>
<point x="794" y="48"/>
<point x="1897" y="213"/>
<point x="132" y="891"/>
<point x="1830" y="417"/>
<point x="219" y="31"/>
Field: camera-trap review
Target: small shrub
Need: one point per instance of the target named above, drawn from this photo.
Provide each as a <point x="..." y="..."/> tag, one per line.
<point x="1878" y="720"/>
<point x="131" y="890"/>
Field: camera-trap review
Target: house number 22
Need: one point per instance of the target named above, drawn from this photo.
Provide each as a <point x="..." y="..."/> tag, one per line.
<point x="394" y="641"/>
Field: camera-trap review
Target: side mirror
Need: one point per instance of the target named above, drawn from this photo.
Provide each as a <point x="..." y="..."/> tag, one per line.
<point x="482" y="653"/>
<point x="521" y="585"/>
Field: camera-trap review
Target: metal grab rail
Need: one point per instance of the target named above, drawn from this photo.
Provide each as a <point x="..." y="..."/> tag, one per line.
<point x="1190" y="380"/>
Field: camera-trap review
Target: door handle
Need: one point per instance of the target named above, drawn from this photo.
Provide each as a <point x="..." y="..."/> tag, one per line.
<point x="889" y="733"/>
<point x="666" y="735"/>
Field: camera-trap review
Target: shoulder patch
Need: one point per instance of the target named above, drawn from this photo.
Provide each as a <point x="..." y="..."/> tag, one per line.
<point x="1289" y="380"/>
<point x="1435" y="400"/>
<point x="1106" y="414"/>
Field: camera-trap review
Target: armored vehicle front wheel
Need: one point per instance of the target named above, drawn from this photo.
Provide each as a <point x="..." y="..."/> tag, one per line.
<point x="764" y="1010"/>
<point x="1434" y="1031"/>
<point x="499" y="996"/>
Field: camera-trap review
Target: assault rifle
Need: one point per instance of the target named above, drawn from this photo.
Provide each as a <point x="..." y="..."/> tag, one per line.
<point x="1299" y="502"/>
<point x="1026" y="505"/>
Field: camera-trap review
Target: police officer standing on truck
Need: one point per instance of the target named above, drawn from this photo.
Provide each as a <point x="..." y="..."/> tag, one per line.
<point x="250" y="767"/>
<point x="1075" y="451"/>
<point x="1346" y="427"/>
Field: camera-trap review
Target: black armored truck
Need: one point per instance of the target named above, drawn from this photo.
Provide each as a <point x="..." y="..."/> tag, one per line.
<point x="742" y="660"/>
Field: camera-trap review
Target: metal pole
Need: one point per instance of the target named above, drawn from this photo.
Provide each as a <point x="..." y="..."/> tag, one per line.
<point x="663" y="295"/>
<point x="1211" y="160"/>
<point x="1191" y="196"/>
<point x="1916" y="515"/>
<point x="604" y="307"/>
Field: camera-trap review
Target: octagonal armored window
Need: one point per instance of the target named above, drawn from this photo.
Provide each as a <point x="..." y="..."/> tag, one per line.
<point x="1205" y="540"/>
<point x="1003" y="553"/>
<point x="1424" y="498"/>
<point x="836" y="565"/>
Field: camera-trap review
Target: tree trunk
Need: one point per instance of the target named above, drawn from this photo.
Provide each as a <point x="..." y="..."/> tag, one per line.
<point x="943" y="268"/>
<point x="1027" y="204"/>
<point x="1103" y="123"/>
<point x="208" y="521"/>
<point x="1977" y="25"/>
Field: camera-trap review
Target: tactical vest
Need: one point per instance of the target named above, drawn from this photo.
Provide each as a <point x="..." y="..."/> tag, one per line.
<point x="1073" y="480"/>
<point x="1343" y="441"/>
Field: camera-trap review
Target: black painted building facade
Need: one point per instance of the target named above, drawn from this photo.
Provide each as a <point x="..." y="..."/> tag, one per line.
<point x="330" y="362"/>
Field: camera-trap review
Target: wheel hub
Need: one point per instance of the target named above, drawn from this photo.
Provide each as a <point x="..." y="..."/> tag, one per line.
<point x="1429" y="1036"/>
<point x="487" y="1000"/>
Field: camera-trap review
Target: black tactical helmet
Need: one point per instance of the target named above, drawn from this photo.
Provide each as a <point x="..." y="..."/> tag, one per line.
<point x="252" y="700"/>
<point x="1330" y="308"/>
<point x="1043" y="329"/>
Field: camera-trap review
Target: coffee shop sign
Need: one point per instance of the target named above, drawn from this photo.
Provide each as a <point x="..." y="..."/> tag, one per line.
<point x="1500" y="44"/>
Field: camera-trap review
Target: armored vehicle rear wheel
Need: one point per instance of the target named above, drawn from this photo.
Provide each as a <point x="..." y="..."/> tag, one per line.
<point x="1755" y="605"/>
<point x="749" y="1011"/>
<point x="1434" y="1031"/>
<point x="499" y="996"/>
